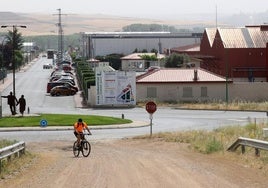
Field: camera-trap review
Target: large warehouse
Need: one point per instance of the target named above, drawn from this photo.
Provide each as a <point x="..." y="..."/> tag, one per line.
<point x="104" y="43"/>
<point x="237" y="53"/>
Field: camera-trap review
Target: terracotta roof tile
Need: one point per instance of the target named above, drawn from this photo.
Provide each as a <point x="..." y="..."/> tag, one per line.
<point x="178" y="75"/>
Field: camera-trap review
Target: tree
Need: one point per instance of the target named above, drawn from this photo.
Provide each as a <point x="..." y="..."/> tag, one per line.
<point x="113" y="59"/>
<point x="176" y="60"/>
<point x="18" y="41"/>
<point x="149" y="57"/>
<point x="6" y="55"/>
<point x="14" y="42"/>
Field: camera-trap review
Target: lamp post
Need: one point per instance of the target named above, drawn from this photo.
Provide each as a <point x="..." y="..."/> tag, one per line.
<point x="13" y="51"/>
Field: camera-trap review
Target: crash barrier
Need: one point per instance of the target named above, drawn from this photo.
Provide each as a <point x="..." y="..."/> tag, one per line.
<point x="16" y="149"/>
<point x="243" y="142"/>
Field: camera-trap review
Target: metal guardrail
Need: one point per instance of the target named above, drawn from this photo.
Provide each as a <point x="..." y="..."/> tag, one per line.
<point x="257" y="144"/>
<point x="15" y="149"/>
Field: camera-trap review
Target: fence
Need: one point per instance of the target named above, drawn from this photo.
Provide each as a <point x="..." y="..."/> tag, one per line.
<point x="16" y="149"/>
<point x="257" y="144"/>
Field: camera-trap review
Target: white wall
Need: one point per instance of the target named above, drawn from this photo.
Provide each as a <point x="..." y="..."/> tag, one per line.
<point x="174" y="92"/>
<point x="244" y="91"/>
<point x="249" y="91"/>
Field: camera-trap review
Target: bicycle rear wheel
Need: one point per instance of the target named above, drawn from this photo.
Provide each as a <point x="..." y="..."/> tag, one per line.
<point x="86" y="148"/>
<point x="76" y="150"/>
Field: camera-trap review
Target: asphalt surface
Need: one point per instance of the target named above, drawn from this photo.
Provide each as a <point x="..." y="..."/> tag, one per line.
<point x="79" y="103"/>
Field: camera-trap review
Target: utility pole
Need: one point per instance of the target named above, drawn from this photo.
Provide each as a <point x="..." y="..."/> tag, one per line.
<point x="60" y="37"/>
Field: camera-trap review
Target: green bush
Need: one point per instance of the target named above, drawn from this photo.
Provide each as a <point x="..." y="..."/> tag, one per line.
<point x="213" y="146"/>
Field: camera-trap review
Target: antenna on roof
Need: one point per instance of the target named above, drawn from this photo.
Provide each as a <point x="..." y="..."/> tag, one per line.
<point x="216" y="17"/>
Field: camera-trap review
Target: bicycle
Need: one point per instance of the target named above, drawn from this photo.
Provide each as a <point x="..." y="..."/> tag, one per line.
<point x="84" y="148"/>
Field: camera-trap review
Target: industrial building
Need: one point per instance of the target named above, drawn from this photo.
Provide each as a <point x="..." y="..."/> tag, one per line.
<point x="240" y="54"/>
<point x="104" y="43"/>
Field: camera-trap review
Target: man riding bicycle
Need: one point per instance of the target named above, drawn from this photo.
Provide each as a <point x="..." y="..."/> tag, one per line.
<point x="79" y="127"/>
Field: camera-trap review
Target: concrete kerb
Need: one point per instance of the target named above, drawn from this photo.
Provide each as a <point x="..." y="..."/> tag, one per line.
<point x="134" y="124"/>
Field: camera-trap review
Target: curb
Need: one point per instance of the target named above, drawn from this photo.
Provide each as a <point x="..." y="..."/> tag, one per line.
<point x="134" y="124"/>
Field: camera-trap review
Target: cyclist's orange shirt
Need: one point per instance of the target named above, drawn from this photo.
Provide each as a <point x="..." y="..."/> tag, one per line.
<point x="79" y="127"/>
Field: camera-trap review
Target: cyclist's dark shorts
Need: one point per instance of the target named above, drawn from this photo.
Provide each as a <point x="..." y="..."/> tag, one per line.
<point x="81" y="134"/>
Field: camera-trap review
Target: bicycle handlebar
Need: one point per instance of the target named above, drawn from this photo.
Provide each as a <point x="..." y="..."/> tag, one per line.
<point x="87" y="133"/>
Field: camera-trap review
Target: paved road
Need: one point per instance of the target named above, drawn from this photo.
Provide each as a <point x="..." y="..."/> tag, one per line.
<point x="164" y="119"/>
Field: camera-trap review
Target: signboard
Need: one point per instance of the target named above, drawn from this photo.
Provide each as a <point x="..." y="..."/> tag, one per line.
<point x="43" y="123"/>
<point x="150" y="107"/>
<point x="115" y="88"/>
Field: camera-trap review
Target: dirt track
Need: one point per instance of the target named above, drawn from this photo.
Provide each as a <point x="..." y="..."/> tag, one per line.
<point x="132" y="163"/>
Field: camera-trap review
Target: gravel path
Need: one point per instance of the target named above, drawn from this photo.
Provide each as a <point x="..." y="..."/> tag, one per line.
<point x="132" y="163"/>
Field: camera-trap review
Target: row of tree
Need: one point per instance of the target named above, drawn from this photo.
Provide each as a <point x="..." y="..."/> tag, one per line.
<point x="138" y="27"/>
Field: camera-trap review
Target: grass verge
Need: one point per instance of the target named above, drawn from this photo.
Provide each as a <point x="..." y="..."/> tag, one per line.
<point x="59" y="120"/>
<point x="17" y="165"/>
<point x="217" y="140"/>
<point x="234" y="105"/>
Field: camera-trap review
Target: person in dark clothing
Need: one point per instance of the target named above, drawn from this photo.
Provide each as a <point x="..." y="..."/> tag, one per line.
<point x="22" y="103"/>
<point x="11" y="101"/>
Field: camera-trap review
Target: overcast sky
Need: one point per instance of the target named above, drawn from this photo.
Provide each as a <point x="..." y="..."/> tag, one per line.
<point x="138" y="8"/>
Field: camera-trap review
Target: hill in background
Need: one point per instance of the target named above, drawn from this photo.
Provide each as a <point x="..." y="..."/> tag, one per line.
<point x="46" y="24"/>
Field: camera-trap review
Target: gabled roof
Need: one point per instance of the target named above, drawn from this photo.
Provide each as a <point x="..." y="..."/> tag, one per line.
<point x="188" y="48"/>
<point x="211" y="32"/>
<point x="245" y="37"/>
<point x="178" y="76"/>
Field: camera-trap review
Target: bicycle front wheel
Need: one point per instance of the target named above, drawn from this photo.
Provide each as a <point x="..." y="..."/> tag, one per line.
<point x="86" y="148"/>
<point x="76" y="150"/>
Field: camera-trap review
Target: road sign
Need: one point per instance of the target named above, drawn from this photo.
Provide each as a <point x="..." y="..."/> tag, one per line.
<point x="150" y="107"/>
<point x="43" y="123"/>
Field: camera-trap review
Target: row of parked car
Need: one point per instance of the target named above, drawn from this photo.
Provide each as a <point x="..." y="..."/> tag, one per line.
<point x="61" y="82"/>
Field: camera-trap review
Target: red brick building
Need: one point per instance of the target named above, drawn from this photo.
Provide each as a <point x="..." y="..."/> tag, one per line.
<point x="237" y="53"/>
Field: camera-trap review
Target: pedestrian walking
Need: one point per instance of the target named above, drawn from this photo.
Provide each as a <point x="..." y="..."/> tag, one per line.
<point x="11" y="101"/>
<point x="22" y="103"/>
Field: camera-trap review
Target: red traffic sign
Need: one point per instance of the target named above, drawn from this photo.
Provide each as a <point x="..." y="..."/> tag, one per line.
<point x="150" y="107"/>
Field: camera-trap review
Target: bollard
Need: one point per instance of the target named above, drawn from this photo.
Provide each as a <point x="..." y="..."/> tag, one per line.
<point x="28" y="110"/>
<point x="123" y="116"/>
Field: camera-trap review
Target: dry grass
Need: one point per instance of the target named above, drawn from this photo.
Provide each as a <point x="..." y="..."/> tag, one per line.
<point x="263" y="106"/>
<point x="17" y="164"/>
<point x="216" y="143"/>
<point x="251" y="106"/>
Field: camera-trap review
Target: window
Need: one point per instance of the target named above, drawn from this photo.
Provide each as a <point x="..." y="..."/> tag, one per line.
<point x="187" y="92"/>
<point x="151" y="92"/>
<point x="204" y="91"/>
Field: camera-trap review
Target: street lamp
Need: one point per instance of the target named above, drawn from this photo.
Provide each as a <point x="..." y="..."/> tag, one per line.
<point x="13" y="51"/>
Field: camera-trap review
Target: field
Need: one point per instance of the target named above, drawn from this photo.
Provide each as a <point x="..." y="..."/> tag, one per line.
<point x="46" y="24"/>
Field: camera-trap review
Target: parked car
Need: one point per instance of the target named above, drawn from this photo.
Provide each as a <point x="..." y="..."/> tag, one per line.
<point x="71" y="86"/>
<point x="64" y="80"/>
<point x="51" y="85"/>
<point x="47" y="66"/>
<point x="62" y="90"/>
<point x="56" y="77"/>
